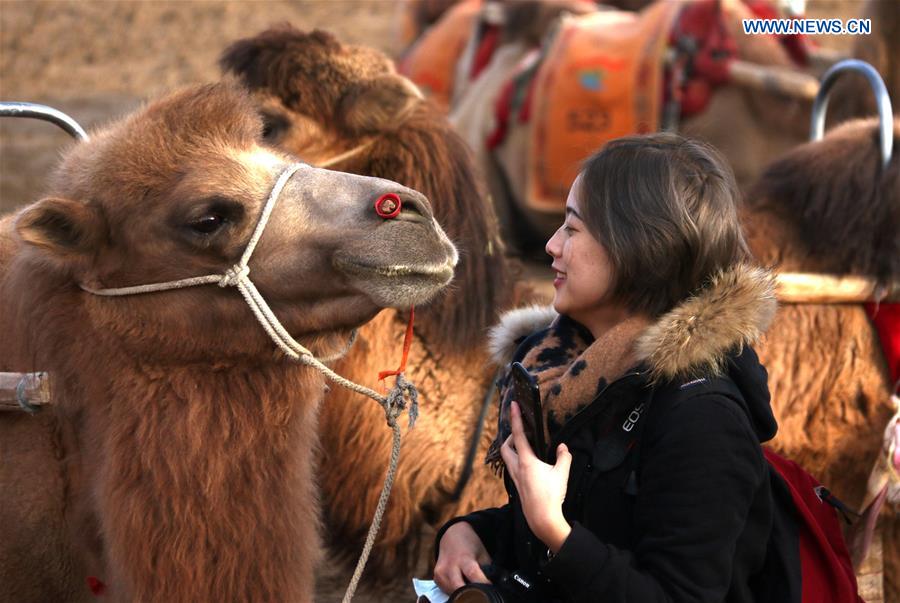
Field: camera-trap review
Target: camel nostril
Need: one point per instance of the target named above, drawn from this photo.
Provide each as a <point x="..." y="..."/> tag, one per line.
<point x="416" y="207"/>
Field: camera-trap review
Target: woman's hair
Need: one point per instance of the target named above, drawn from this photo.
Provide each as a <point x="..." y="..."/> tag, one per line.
<point x="666" y="210"/>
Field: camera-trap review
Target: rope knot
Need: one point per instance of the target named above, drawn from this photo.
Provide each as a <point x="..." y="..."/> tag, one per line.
<point x="234" y="275"/>
<point x="395" y="403"/>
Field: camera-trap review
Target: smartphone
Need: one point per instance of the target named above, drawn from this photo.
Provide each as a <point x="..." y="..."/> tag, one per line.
<point x="525" y="391"/>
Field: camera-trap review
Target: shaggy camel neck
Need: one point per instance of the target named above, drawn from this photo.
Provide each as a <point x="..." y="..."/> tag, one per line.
<point x="203" y="488"/>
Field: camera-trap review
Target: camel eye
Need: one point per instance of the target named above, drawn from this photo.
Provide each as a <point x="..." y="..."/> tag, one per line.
<point x="273" y="126"/>
<point x="208" y="224"/>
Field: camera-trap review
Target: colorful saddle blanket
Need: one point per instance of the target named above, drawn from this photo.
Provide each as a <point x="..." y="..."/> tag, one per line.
<point x="600" y="79"/>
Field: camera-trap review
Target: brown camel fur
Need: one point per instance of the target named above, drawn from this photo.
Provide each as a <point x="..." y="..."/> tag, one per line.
<point x="187" y="439"/>
<point x="829" y="207"/>
<point x="322" y="98"/>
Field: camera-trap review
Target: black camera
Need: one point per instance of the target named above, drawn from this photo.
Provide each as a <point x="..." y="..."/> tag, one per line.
<point x="505" y="587"/>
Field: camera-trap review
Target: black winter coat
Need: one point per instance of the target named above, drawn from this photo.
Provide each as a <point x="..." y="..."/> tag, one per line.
<point x="676" y="508"/>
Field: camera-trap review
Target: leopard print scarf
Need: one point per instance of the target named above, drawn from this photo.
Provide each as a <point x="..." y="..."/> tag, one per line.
<point x="571" y="369"/>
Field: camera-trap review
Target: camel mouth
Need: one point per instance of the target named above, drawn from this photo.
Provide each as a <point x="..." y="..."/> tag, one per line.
<point x="396" y="285"/>
<point x="442" y="272"/>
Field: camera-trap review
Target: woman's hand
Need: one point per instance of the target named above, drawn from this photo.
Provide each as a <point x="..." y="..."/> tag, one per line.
<point x="459" y="558"/>
<point x="541" y="487"/>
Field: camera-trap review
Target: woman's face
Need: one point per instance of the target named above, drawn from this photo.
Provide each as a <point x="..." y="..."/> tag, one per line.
<point x="583" y="270"/>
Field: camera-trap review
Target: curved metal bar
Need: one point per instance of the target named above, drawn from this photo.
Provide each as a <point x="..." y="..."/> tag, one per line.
<point x="882" y="98"/>
<point x="36" y="111"/>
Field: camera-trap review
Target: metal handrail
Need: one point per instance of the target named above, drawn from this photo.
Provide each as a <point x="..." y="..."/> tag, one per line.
<point x="882" y="98"/>
<point x="45" y="113"/>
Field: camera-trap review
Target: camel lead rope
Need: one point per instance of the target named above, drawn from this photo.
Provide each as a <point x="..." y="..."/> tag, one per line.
<point x="394" y="405"/>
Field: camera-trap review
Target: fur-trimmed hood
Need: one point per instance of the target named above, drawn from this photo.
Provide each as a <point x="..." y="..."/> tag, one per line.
<point x="693" y="339"/>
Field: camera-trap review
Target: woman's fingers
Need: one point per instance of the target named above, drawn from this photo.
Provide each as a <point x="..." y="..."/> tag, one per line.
<point x="510" y="458"/>
<point x="474" y="573"/>
<point x="518" y="433"/>
<point x="563" y="459"/>
<point x="449" y="578"/>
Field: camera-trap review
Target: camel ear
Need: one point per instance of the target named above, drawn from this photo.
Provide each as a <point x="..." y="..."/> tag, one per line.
<point x="378" y="104"/>
<point x="62" y="227"/>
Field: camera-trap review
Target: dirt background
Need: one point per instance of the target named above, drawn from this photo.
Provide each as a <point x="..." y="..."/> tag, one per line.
<point x="98" y="59"/>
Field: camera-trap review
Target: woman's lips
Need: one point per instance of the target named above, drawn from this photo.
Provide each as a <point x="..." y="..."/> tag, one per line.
<point x="560" y="277"/>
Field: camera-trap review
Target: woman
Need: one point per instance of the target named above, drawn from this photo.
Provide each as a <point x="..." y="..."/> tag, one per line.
<point x="655" y="403"/>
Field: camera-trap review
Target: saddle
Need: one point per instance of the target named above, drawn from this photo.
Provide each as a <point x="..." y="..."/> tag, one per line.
<point x="601" y="78"/>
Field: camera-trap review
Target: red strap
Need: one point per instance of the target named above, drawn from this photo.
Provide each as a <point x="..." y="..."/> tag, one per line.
<point x="489" y="42"/>
<point x="407" y="343"/>
<point x="502" y="111"/>
<point x="886" y="318"/>
<point x="796" y="45"/>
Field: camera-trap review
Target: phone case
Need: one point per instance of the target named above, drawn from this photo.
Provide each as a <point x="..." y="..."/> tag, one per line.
<point x="527" y="394"/>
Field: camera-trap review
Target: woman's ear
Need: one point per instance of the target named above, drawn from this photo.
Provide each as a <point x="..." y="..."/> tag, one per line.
<point x="378" y="104"/>
<point x="62" y="227"/>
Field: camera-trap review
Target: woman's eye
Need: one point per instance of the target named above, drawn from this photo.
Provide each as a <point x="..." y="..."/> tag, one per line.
<point x="208" y="224"/>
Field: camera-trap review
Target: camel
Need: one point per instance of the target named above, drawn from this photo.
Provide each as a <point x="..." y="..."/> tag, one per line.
<point x="344" y="106"/>
<point x="748" y="126"/>
<point x="185" y="437"/>
<point x="829" y="207"/>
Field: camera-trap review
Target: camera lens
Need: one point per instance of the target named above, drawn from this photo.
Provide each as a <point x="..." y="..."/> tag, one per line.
<point x="476" y="593"/>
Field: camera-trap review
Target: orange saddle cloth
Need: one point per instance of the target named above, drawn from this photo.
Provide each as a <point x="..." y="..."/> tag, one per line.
<point x="601" y="78"/>
<point x="431" y="62"/>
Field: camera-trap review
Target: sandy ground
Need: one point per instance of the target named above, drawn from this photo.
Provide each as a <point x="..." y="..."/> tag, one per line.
<point x="98" y="59"/>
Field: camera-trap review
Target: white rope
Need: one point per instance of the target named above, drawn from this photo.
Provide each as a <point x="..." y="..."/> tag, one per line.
<point x="238" y="276"/>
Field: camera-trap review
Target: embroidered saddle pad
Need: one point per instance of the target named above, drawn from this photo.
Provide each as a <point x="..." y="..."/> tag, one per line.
<point x="601" y="78"/>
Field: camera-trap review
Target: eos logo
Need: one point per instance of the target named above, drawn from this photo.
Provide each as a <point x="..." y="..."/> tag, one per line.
<point x="633" y="417"/>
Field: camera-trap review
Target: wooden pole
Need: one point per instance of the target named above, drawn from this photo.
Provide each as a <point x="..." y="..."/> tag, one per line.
<point x="34" y="388"/>
<point x="774" y="79"/>
<point x="807" y="288"/>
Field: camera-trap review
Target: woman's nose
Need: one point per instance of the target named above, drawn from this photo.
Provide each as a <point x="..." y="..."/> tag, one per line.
<point x="552" y="246"/>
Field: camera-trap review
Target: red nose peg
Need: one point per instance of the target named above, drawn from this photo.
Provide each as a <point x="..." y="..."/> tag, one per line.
<point x="388" y="205"/>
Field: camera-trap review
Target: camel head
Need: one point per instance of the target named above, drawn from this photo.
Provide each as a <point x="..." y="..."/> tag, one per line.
<point x="319" y="98"/>
<point x="830" y="206"/>
<point x="175" y="191"/>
